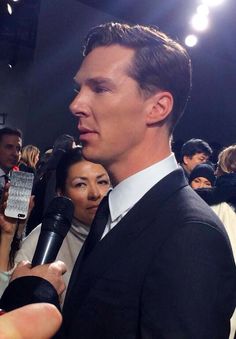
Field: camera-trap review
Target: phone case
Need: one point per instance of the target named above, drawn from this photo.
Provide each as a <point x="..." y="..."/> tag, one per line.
<point x="19" y="194"/>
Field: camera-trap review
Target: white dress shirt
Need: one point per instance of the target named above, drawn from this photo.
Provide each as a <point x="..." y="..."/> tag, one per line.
<point x="128" y="192"/>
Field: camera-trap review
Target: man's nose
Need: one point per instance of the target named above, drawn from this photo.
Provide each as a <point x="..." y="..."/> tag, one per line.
<point x="79" y="106"/>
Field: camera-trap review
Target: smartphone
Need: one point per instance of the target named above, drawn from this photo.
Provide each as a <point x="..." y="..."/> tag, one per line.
<point x="20" y="189"/>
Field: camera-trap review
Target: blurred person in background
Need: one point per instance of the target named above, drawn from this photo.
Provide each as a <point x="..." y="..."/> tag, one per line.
<point x="225" y="185"/>
<point x="29" y="159"/>
<point x="202" y="176"/>
<point x="10" y="152"/>
<point x="194" y="152"/>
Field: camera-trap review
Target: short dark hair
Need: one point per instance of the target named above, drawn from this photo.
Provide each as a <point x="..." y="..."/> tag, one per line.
<point x="68" y="159"/>
<point x="10" y="131"/>
<point x="194" y="146"/>
<point x="159" y="63"/>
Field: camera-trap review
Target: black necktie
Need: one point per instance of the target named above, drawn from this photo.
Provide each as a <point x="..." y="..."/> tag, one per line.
<point x="98" y="226"/>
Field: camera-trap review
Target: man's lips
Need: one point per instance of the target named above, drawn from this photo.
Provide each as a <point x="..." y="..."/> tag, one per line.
<point x="86" y="133"/>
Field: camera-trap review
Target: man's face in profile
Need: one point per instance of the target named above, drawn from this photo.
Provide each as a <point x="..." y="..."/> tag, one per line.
<point x="109" y="105"/>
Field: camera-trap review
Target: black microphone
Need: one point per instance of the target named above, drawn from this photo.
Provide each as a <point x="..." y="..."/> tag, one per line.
<point x="56" y="223"/>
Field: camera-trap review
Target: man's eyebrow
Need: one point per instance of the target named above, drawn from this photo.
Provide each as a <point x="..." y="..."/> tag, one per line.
<point x="99" y="80"/>
<point x="95" y="81"/>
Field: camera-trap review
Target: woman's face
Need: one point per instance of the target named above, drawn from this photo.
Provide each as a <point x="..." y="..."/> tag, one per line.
<point x="86" y="185"/>
<point x="200" y="182"/>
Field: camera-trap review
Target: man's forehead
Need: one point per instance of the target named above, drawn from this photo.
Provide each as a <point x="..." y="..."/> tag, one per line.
<point x="11" y="139"/>
<point x="202" y="154"/>
<point x="105" y="59"/>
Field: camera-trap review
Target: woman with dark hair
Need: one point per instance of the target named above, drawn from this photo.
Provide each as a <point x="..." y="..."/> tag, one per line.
<point x="85" y="183"/>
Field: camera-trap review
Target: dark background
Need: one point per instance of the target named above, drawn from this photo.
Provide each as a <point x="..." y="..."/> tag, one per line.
<point x="43" y="39"/>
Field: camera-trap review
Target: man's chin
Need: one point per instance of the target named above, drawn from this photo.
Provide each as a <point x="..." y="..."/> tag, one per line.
<point x="91" y="154"/>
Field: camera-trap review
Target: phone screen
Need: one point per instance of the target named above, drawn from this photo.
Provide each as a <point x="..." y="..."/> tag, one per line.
<point x="19" y="194"/>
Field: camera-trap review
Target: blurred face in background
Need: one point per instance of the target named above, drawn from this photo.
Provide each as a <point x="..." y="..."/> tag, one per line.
<point x="200" y="182"/>
<point x="10" y="151"/>
<point x="86" y="185"/>
<point x="192" y="161"/>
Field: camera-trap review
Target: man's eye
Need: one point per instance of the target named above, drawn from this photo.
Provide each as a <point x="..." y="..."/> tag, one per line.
<point x="77" y="90"/>
<point x="99" y="89"/>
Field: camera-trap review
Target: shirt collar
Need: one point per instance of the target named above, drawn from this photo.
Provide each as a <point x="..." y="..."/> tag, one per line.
<point x="128" y="192"/>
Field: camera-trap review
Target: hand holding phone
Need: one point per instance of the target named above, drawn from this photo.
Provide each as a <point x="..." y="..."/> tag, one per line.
<point x="19" y="195"/>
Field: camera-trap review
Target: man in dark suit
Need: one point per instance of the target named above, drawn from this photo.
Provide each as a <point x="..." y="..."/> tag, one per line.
<point x="162" y="266"/>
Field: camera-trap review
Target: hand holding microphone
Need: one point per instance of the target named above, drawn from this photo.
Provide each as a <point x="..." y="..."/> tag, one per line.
<point x="55" y="226"/>
<point x="52" y="272"/>
<point x="56" y="223"/>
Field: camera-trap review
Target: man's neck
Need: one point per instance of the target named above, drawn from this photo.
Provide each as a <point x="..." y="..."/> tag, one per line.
<point x="185" y="168"/>
<point x="121" y="170"/>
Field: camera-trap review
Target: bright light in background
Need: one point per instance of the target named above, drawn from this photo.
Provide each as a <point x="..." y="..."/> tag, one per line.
<point x="191" y="40"/>
<point x="9" y="9"/>
<point x="203" y="10"/>
<point x="200" y="22"/>
<point x="212" y="3"/>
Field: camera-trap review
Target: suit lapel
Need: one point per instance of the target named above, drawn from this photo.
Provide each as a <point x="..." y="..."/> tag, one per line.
<point x="121" y="236"/>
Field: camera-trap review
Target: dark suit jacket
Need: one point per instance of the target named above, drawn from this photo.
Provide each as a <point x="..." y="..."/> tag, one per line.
<point x="165" y="271"/>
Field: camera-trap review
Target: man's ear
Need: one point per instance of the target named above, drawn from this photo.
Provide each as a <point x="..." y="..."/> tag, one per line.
<point x="161" y="107"/>
<point x="185" y="159"/>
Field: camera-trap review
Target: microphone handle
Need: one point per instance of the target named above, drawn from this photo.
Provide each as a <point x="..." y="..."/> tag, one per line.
<point x="47" y="253"/>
